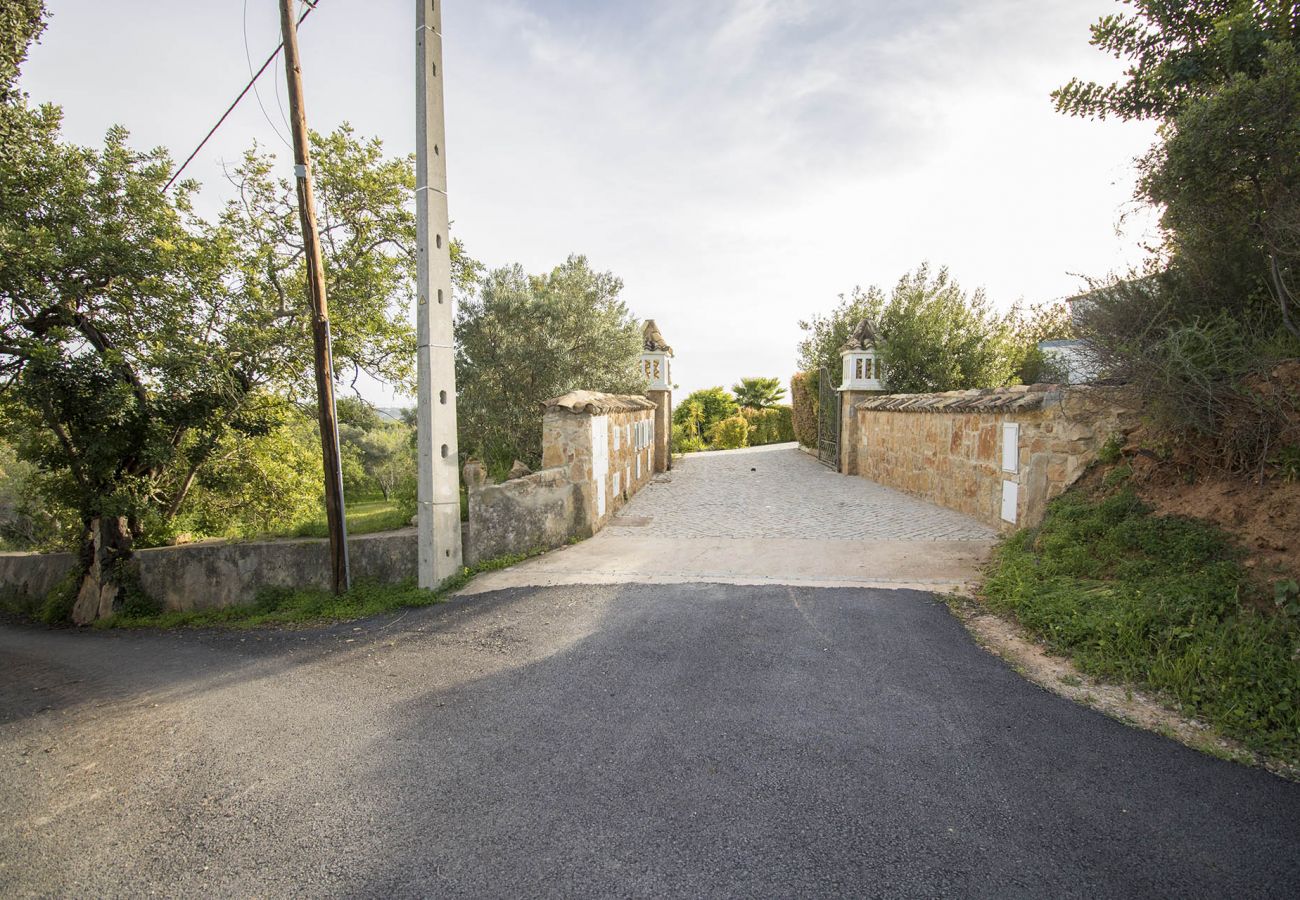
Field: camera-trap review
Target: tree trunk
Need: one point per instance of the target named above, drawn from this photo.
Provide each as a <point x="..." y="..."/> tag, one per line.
<point x="106" y="544"/>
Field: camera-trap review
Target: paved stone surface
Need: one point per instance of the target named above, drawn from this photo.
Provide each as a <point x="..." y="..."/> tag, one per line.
<point x="767" y="515"/>
<point x="682" y="741"/>
<point x="779" y="491"/>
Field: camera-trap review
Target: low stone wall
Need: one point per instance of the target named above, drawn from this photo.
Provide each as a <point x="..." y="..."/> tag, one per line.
<point x="34" y="574"/>
<point x="223" y="573"/>
<point x="598" y="450"/>
<point x="218" y="574"/>
<point x="997" y="455"/>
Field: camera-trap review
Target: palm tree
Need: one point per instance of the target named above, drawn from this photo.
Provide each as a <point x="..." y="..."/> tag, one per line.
<point x="758" y="393"/>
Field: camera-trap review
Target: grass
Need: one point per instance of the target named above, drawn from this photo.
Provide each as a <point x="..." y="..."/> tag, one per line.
<point x="364" y="517"/>
<point x="1156" y="601"/>
<point x="309" y="606"/>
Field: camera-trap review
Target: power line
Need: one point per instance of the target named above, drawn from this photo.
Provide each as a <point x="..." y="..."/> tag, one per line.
<point x="257" y="95"/>
<point x="311" y="7"/>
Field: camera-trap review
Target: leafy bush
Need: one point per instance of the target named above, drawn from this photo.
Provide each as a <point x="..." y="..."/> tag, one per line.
<point x="803" y="402"/>
<point x="685" y="440"/>
<point x="703" y="409"/>
<point x="730" y="434"/>
<point x="774" y="425"/>
<point x="1155" y="600"/>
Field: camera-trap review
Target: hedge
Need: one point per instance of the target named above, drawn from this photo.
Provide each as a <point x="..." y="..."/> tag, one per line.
<point x="803" y="396"/>
<point x="774" y="425"/>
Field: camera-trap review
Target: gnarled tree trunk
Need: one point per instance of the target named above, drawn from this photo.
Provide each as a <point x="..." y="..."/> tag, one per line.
<point x="106" y="545"/>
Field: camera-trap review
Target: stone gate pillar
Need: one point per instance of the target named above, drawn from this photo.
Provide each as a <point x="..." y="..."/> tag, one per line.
<point x="862" y="377"/>
<point x="656" y="364"/>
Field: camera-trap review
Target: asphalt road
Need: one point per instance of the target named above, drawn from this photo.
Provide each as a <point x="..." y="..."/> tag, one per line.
<point x="673" y="740"/>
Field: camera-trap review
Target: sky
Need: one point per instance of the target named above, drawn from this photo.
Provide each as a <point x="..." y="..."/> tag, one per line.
<point x="738" y="163"/>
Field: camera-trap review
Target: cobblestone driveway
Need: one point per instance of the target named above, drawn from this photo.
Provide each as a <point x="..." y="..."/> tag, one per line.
<point x="781" y="492"/>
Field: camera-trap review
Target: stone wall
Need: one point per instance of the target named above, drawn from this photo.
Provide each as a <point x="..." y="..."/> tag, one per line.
<point x="956" y="449"/>
<point x="597" y="452"/>
<point x="228" y="573"/>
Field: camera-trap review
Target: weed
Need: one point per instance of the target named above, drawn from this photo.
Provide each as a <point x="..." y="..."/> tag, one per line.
<point x="1288" y="463"/>
<point x="1112" y="451"/>
<point x="1154" y="601"/>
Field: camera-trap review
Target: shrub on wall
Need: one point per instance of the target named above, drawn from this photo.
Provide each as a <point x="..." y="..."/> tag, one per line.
<point x="774" y="425"/>
<point x="730" y="434"/>
<point x="803" y="399"/>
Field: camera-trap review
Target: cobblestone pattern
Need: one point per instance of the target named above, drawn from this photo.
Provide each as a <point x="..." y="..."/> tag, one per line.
<point x="782" y="492"/>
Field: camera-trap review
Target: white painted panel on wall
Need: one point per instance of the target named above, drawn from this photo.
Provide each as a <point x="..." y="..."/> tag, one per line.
<point x="638" y="466"/>
<point x="1010" y="499"/>
<point x="617" y="487"/>
<point x="1011" y="447"/>
<point x="600" y="458"/>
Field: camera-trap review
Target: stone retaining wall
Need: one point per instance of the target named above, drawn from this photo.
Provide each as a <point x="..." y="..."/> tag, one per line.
<point x="215" y="574"/>
<point x="597" y="452"/>
<point x="955" y="448"/>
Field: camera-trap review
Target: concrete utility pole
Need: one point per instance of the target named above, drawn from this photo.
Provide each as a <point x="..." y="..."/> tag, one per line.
<point x="439" y="478"/>
<point x="320" y="319"/>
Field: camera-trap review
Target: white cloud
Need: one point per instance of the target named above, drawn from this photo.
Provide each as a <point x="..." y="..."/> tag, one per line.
<point x="738" y="163"/>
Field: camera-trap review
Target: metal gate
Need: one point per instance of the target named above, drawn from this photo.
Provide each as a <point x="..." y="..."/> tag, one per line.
<point x="828" y="422"/>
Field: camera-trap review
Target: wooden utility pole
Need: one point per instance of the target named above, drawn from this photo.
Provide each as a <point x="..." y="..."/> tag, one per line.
<point x="439" y="466"/>
<point x="320" y="320"/>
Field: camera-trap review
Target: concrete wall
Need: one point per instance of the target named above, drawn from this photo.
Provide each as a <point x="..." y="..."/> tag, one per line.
<point x="207" y="575"/>
<point x="597" y="452"/>
<point x="949" y="448"/>
<point x="221" y="573"/>
<point x="34" y="574"/>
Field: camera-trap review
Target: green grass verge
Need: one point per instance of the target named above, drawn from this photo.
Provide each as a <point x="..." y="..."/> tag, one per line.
<point x="303" y="606"/>
<point x="1156" y="601"/>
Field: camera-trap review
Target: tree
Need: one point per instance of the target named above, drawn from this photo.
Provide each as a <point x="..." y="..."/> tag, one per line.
<point x="933" y="336"/>
<point x="1220" y="308"/>
<point x="758" y="393"/>
<point x="137" y="341"/>
<point x="1223" y="78"/>
<point x="21" y="23"/>
<point x="826" y="334"/>
<point x="705" y="408"/>
<point x="387" y="455"/>
<point x="525" y="339"/>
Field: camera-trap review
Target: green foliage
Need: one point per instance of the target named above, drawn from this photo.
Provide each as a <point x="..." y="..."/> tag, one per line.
<point x="1029" y="327"/>
<point x="1223" y="78"/>
<point x="252" y="485"/>
<point x="686" y="439"/>
<point x="704" y="409"/>
<point x="1288" y="463"/>
<point x="142" y="346"/>
<point x="774" y="425"/>
<point x="364" y="517"/>
<point x="729" y="434"/>
<point x="21" y="23"/>
<point x="1155" y="601"/>
<point x="804" y="402"/>
<point x="826" y="334"/>
<point x="525" y="339"/>
<point x="758" y="393"/>
<point x="935" y="337"/>
<point x="1111" y="451"/>
<point x="1179" y="52"/>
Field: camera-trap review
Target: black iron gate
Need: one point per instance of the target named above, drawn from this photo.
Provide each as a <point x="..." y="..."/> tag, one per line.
<point x="828" y="421"/>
